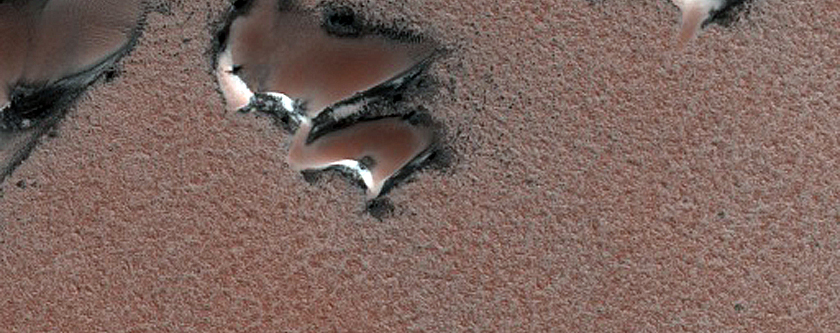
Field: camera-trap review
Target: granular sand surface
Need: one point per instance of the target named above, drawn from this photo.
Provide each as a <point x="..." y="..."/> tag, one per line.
<point x="602" y="183"/>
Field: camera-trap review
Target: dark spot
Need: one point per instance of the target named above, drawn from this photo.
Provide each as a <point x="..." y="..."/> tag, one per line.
<point x="367" y="162"/>
<point x="419" y="118"/>
<point x="31" y="103"/>
<point x="287" y="5"/>
<point x="397" y="98"/>
<point x="731" y="11"/>
<point x="161" y="7"/>
<point x="21" y="184"/>
<point x="380" y="208"/>
<point x="241" y="4"/>
<point x="311" y="176"/>
<point x="111" y="74"/>
<point x="739" y="307"/>
<point x="340" y="20"/>
<point x="441" y="159"/>
<point x="721" y="214"/>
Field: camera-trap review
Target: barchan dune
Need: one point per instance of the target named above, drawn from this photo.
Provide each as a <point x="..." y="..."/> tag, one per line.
<point x="289" y="52"/>
<point x="49" y="52"/>
<point x="284" y="57"/>
<point x="389" y="144"/>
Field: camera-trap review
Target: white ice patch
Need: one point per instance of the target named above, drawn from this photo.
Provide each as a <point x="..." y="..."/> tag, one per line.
<point x="287" y="102"/>
<point x="346" y="110"/>
<point x="706" y="4"/>
<point x="236" y="92"/>
<point x="289" y="105"/>
<point x="353" y="165"/>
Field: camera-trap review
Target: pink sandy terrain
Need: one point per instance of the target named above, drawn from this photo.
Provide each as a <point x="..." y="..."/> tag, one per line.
<point x="603" y="182"/>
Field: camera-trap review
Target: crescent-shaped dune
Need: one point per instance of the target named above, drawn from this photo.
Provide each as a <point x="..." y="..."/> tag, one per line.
<point x="288" y="52"/>
<point x="389" y="144"/>
<point x="49" y="52"/>
<point x="273" y="51"/>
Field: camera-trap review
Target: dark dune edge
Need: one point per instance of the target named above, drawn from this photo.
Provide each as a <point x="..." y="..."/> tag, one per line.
<point x="51" y="105"/>
<point x="729" y="13"/>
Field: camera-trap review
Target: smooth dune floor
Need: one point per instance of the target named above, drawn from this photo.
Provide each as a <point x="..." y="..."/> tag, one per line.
<point x="604" y="183"/>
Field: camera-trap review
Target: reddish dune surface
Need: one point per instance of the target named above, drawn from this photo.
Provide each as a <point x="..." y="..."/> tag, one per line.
<point x="43" y="41"/>
<point x="603" y="182"/>
<point x="288" y="52"/>
<point x="49" y="52"/>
